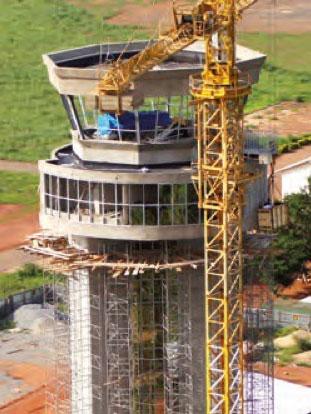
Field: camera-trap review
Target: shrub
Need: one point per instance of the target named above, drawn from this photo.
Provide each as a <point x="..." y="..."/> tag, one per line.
<point x="305" y="345"/>
<point x="293" y="146"/>
<point x="294" y="243"/>
<point x="286" y="355"/>
<point x="7" y="324"/>
<point x="300" y="99"/>
<point x="303" y="141"/>
<point x="304" y="364"/>
<point x="27" y="278"/>
<point x="286" y="330"/>
<point x="283" y="148"/>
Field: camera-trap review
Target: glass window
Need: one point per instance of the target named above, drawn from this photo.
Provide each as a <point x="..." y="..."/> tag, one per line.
<point x="47" y="184"/>
<point x="47" y="201"/>
<point x="73" y="207"/>
<point x="110" y="214"/>
<point x="165" y="195"/>
<point x="73" y="189"/>
<point x="136" y="194"/>
<point x="151" y="194"/>
<point x="123" y="204"/>
<point x="151" y="216"/>
<point x="84" y="190"/>
<point x="84" y="208"/>
<point x="193" y="214"/>
<point x="192" y="195"/>
<point x="54" y="186"/>
<point x="63" y="205"/>
<point x="63" y="187"/>
<point x="137" y="216"/>
<point x="179" y="194"/>
<point x="165" y="216"/>
<point x="54" y="203"/>
<point x="179" y="215"/>
<point x="109" y="193"/>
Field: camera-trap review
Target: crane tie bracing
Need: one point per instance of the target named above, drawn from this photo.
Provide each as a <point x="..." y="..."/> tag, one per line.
<point x="219" y="97"/>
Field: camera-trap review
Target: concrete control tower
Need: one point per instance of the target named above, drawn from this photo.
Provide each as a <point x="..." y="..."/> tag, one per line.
<point x="121" y="222"/>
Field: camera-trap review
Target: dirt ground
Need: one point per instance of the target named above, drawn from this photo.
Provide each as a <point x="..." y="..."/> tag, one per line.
<point x="286" y="118"/>
<point x="291" y="373"/>
<point x="294" y="373"/>
<point x="30" y="376"/>
<point x="6" y="165"/>
<point x="32" y="403"/>
<point x="288" y="16"/>
<point x="15" y="224"/>
<point x="297" y="290"/>
<point x="23" y="372"/>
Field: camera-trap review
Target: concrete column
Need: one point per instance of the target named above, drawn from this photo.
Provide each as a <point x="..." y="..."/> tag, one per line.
<point x="80" y="343"/>
<point x="98" y="342"/>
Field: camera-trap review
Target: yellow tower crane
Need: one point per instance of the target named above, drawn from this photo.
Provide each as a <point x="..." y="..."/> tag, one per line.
<point x="219" y="95"/>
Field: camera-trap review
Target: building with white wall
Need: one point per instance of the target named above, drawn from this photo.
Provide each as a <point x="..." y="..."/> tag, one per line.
<point x="294" y="177"/>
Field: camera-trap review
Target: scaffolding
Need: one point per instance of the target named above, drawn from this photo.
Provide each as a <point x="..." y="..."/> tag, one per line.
<point x="127" y="343"/>
<point x="58" y="389"/>
<point x="122" y="340"/>
<point x="178" y="375"/>
<point x="118" y="345"/>
<point x="258" y="335"/>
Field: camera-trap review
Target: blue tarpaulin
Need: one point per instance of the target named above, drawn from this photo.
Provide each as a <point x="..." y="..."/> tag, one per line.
<point x="147" y="121"/>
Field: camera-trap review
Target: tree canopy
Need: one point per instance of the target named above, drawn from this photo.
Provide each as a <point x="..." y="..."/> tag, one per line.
<point x="294" y="243"/>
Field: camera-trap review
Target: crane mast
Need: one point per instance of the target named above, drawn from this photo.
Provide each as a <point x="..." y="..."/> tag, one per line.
<point x="219" y="95"/>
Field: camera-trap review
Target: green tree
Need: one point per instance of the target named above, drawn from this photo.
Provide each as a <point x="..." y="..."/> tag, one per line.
<point x="293" y="244"/>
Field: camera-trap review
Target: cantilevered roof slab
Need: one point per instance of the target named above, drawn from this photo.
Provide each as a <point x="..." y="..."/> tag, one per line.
<point x="77" y="71"/>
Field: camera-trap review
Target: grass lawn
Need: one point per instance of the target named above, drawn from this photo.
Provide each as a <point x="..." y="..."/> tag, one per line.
<point x="32" y="119"/>
<point x="287" y="73"/>
<point x="19" y="188"/>
<point x="27" y="278"/>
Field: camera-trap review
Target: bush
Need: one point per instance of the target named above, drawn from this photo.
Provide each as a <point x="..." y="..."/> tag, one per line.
<point x="303" y="141"/>
<point x="27" y="278"/>
<point x="293" y="138"/>
<point x="286" y="355"/>
<point x="283" y="148"/>
<point x="286" y="330"/>
<point x="294" y="243"/>
<point x="304" y="364"/>
<point x="305" y="345"/>
<point x="293" y="146"/>
<point x="300" y="99"/>
<point x="7" y="324"/>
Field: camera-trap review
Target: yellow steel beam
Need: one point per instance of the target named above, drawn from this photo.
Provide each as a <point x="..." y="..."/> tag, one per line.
<point x="218" y="95"/>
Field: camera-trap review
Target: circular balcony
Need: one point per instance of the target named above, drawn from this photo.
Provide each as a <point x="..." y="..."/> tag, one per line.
<point x="158" y="205"/>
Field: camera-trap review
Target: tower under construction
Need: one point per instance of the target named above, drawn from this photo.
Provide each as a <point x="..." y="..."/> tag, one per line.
<point x="123" y="229"/>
